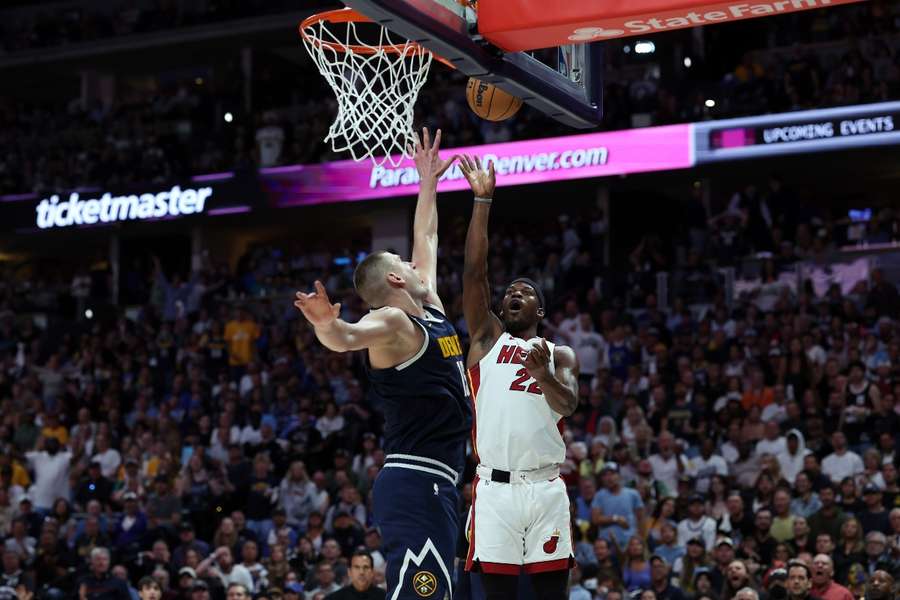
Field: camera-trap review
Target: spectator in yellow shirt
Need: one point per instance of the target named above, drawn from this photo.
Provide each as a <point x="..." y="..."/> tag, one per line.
<point x="53" y="429"/>
<point x="241" y="334"/>
<point x="19" y="474"/>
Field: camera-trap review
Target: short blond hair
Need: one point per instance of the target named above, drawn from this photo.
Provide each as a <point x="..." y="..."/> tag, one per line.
<point x="368" y="278"/>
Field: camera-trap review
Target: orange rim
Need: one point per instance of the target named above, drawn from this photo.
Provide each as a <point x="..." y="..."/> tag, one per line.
<point x="348" y="15"/>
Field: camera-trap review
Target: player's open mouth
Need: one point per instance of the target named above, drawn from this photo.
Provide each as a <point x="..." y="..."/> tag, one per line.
<point x="515" y="305"/>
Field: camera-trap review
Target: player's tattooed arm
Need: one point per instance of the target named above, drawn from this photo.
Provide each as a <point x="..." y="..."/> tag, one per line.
<point x="430" y="167"/>
<point x="377" y="328"/>
<point x="560" y="387"/>
<point x="484" y="326"/>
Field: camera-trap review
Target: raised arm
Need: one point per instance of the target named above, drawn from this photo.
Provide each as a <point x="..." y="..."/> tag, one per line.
<point x="560" y="387"/>
<point x="641" y="522"/>
<point x="425" y="225"/>
<point x="484" y="326"/>
<point x="376" y="329"/>
<point x="159" y="273"/>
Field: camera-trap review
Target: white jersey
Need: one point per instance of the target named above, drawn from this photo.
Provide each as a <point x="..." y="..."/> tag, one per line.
<point x="514" y="428"/>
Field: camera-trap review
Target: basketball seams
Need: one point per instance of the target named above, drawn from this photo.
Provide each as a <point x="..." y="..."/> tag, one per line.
<point x="514" y="105"/>
<point x="505" y="110"/>
<point x="490" y="104"/>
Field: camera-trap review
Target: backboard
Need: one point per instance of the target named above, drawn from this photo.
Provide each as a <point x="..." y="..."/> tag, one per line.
<point x="541" y="51"/>
<point x="569" y="91"/>
<point x="492" y="39"/>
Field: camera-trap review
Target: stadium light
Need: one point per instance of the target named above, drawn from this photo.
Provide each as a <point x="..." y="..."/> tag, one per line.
<point x="710" y="103"/>
<point x="644" y="47"/>
<point x="89" y="314"/>
<point x="229" y="117"/>
<point x="687" y="62"/>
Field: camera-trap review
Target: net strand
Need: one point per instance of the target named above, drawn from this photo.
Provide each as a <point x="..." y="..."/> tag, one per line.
<point x="376" y="91"/>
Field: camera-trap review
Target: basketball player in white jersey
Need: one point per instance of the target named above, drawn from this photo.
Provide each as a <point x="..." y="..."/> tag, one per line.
<point x="522" y="387"/>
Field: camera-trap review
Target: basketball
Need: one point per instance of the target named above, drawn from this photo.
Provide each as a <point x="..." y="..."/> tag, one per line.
<point x="490" y="102"/>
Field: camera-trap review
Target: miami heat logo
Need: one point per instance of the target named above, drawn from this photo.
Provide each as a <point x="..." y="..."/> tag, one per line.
<point x="550" y="545"/>
<point x="424" y="583"/>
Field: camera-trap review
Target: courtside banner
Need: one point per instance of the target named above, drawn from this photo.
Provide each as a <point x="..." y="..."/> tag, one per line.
<point x="517" y="25"/>
<point x="809" y="131"/>
<point x="516" y="163"/>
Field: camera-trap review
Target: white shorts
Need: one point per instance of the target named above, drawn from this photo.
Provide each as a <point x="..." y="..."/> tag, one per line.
<point x="511" y="525"/>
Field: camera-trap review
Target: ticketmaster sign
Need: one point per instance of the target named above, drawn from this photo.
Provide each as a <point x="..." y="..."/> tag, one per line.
<point x="111" y="209"/>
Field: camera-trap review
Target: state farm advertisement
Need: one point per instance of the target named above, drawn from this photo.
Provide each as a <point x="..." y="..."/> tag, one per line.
<point x="517" y="25"/>
<point x="516" y="163"/>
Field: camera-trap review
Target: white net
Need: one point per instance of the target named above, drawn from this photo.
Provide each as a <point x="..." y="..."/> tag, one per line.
<point x="376" y="78"/>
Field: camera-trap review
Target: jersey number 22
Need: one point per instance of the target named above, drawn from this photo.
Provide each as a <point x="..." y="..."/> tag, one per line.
<point x="522" y="377"/>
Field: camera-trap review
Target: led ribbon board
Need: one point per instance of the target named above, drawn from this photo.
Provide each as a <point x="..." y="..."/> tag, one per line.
<point x="53" y="212"/>
<point x="809" y="131"/>
<point x="517" y="163"/>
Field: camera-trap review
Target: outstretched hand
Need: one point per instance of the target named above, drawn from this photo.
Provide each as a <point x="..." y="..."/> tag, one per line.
<point x="482" y="181"/>
<point x="317" y="308"/>
<point x="537" y="362"/>
<point x="425" y="154"/>
<point x="23" y="593"/>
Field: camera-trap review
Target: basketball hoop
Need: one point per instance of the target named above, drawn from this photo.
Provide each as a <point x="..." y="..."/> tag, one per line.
<point x="376" y="78"/>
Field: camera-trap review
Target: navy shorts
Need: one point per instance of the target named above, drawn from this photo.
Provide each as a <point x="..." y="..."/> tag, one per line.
<point x="416" y="507"/>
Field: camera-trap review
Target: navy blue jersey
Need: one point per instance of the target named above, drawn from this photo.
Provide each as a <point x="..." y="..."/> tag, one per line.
<point x="427" y="409"/>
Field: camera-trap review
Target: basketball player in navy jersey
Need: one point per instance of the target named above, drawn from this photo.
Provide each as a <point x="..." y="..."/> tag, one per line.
<point x="522" y="386"/>
<point x="416" y="371"/>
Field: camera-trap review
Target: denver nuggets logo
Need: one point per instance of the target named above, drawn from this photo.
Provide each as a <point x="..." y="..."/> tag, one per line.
<point x="450" y="346"/>
<point x="424" y="583"/>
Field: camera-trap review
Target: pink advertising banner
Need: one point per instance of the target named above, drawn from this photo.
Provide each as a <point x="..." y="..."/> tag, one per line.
<point x="516" y="163"/>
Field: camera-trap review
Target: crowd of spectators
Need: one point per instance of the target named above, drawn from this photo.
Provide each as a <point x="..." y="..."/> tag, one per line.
<point x="38" y="27"/>
<point x="148" y="133"/>
<point x="205" y="441"/>
<point x="151" y="135"/>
